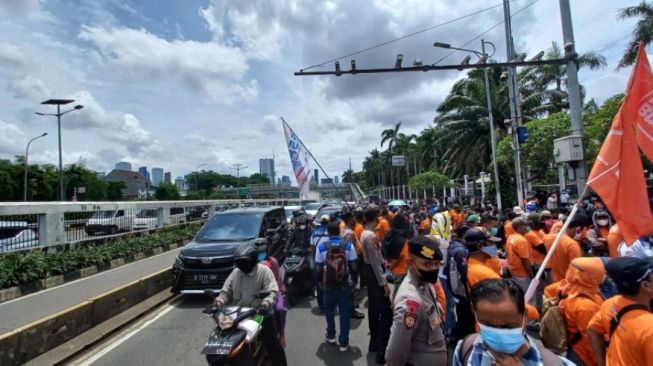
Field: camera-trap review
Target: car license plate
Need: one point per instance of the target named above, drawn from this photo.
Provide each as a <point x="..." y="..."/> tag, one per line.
<point x="205" y="279"/>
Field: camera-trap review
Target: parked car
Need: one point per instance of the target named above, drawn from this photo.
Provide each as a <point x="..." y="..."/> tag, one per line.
<point x="146" y="219"/>
<point x="327" y="210"/>
<point x="17" y="235"/>
<point x="312" y="208"/>
<point x="110" y="222"/>
<point x="205" y="262"/>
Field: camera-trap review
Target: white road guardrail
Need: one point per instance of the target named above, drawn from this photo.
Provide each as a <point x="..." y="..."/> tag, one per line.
<point x="29" y="225"/>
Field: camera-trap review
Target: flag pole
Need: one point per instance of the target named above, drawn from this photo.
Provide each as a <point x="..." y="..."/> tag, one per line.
<point x="530" y="292"/>
<point x="318" y="165"/>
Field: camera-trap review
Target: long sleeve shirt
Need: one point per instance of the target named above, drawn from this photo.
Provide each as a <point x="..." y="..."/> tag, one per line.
<point x="372" y="255"/>
<point x="242" y="289"/>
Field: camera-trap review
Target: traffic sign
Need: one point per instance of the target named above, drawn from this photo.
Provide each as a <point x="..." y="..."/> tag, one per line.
<point x="398" y="160"/>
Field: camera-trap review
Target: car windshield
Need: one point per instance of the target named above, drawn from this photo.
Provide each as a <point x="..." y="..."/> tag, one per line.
<point x="235" y="226"/>
<point x="289" y="212"/>
<point x="327" y="211"/>
<point x="103" y="215"/>
<point x="9" y="232"/>
<point x="312" y="206"/>
<point x="146" y="214"/>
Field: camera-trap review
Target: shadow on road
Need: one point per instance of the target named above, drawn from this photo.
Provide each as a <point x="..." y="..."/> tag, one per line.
<point x="331" y="356"/>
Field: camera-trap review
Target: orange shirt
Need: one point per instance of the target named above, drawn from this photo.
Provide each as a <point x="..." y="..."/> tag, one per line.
<point x="508" y="229"/>
<point x="632" y="341"/>
<point x="578" y="312"/>
<point x="555" y="228"/>
<point x="382" y="229"/>
<point x="494" y="264"/>
<point x="342" y="225"/>
<point x="399" y="266"/>
<point x="457" y="219"/>
<point x="441" y="297"/>
<point x="426" y="224"/>
<point x="534" y="238"/>
<point x="518" y="249"/>
<point x="568" y="249"/>
<point x="614" y="239"/>
<point x="358" y="231"/>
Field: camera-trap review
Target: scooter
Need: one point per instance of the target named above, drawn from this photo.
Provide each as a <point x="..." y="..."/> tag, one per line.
<point x="235" y="340"/>
<point x="297" y="278"/>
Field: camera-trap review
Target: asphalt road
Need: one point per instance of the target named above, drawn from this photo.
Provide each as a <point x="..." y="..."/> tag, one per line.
<point x="176" y="333"/>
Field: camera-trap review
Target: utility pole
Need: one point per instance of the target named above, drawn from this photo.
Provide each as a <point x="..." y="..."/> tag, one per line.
<point x="573" y="91"/>
<point x="238" y="167"/>
<point x="513" y="94"/>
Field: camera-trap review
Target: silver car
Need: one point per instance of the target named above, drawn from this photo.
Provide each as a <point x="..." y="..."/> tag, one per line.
<point x="16" y="235"/>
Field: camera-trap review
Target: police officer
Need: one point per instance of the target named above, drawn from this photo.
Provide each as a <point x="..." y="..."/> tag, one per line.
<point x="417" y="335"/>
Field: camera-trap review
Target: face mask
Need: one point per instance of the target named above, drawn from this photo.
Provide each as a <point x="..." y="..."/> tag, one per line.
<point x="506" y="341"/>
<point x="492" y="251"/>
<point x="302" y="227"/>
<point x="246" y="266"/>
<point x="494" y="231"/>
<point x="429" y="276"/>
<point x="527" y="229"/>
<point x="262" y="256"/>
<point x="602" y="222"/>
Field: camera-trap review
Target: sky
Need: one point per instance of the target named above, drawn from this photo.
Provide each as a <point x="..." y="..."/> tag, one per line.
<point x="177" y="84"/>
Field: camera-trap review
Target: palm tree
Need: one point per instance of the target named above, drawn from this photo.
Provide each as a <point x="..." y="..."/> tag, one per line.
<point x="541" y="87"/>
<point x="390" y="136"/>
<point x="643" y="30"/>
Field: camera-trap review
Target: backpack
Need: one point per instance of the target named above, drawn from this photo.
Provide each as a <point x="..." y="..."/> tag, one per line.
<point x="336" y="268"/>
<point x="393" y="243"/>
<point x="467" y="345"/>
<point x="456" y="283"/>
<point x="553" y="327"/>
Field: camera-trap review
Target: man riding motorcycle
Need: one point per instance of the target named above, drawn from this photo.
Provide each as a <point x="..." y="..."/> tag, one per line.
<point x="241" y="288"/>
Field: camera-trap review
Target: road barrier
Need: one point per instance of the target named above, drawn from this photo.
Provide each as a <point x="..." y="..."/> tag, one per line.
<point x="38" y="337"/>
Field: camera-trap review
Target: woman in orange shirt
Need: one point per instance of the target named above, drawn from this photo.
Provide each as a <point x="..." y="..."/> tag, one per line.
<point x="583" y="300"/>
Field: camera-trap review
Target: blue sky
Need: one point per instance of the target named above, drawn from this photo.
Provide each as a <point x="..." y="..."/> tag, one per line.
<point x="175" y="84"/>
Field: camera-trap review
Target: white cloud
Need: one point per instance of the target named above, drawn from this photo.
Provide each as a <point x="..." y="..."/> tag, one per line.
<point x="29" y="87"/>
<point x="12" y="139"/>
<point x="214" y="69"/>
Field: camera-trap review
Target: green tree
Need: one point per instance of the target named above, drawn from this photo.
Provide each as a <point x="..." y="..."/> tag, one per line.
<point x="166" y="192"/>
<point x="643" y="31"/>
<point x="348" y="176"/>
<point x="114" y="190"/>
<point x="428" y="180"/>
<point x="257" y="178"/>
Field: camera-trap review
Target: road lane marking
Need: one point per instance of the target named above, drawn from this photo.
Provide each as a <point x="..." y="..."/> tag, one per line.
<point x="86" y="278"/>
<point x="117" y="342"/>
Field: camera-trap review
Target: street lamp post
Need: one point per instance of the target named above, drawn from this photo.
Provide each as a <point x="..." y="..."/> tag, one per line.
<point x="58" y="103"/>
<point x="483" y="58"/>
<point x="26" y="165"/>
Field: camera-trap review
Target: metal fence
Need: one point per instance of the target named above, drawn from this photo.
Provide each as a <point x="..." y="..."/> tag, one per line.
<point x="25" y="226"/>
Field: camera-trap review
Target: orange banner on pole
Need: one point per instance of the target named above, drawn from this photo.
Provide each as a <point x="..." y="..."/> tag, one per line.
<point x="617" y="175"/>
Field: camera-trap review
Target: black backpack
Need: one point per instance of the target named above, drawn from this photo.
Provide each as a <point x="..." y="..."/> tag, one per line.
<point x="336" y="268"/>
<point x="393" y="243"/>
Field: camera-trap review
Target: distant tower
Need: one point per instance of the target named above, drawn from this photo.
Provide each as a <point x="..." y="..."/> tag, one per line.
<point x="349" y="163"/>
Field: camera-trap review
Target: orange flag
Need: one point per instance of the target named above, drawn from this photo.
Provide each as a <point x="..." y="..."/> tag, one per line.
<point x="617" y="175"/>
<point x="639" y="102"/>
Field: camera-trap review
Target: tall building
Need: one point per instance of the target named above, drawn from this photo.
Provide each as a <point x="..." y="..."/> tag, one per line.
<point x="157" y="176"/>
<point x="326" y="181"/>
<point x="123" y="165"/>
<point x="267" y="168"/>
<point x="143" y="171"/>
<point x="167" y="177"/>
<point x="285" y="179"/>
<point x="336" y="180"/>
<point x="181" y="184"/>
<point x="316" y="175"/>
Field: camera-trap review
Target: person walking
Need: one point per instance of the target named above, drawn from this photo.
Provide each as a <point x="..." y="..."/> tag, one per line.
<point x="417" y="335"/>
<point x="379" y="314"/>
<point x="335" y="260"/>
<point x="519" y="253"/>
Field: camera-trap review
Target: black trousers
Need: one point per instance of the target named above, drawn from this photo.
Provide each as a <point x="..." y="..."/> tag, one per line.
<point x="270" y="339"/>
<point x="379" y="312"/>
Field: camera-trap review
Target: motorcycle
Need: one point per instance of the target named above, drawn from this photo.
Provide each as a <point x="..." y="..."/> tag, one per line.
<point x="297" y="278"/>
<point x="235" y="341"/>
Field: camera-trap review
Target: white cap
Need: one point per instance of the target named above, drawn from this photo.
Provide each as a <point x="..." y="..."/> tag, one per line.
<point x="518" y="210"/>
<point x="324" y="218"/>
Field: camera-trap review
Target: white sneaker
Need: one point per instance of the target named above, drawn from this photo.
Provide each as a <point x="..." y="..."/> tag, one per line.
<point x="343" y="348"/>
<point x="331" y="340"/>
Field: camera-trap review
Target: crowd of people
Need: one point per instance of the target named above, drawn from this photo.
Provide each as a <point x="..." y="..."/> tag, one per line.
<point x="448" y="284"/>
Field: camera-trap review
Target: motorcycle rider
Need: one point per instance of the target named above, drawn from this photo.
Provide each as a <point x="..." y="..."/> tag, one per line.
<point x="242" y="287"/>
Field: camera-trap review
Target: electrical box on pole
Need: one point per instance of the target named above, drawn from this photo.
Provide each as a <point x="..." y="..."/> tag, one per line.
<point x="567" y="149"/>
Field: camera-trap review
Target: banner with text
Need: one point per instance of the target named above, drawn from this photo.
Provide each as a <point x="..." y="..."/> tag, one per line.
<point x="299" y="159"/>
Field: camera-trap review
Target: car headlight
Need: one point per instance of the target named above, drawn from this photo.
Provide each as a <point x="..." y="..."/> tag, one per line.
<point x="226" y="321"/>
<point x="178" y="262"/>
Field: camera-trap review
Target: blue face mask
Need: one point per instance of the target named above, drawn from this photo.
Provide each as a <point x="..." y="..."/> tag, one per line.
<point x="492" y="251"/>
<point x="494" y="231"/>
<point x="506" y="341"/>
<point x="262" y="256"/>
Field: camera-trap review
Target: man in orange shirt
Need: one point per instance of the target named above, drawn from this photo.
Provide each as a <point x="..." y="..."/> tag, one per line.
<point x="538" y="252"/>
<point x="384" y="225"/>
<point x="625" y="320"/>
<point x="519" y="254"/>
<point x="457" y="217"/>
<point x="614" y="239"/>
<point x="568" y="249"/>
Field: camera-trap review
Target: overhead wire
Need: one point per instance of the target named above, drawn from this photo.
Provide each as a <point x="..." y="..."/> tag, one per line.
<point x="406" y="36"/>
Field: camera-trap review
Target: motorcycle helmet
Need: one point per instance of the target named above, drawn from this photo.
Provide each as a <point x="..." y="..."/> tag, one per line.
<point x="246" y="257"/>
<point x="302" y="220"/>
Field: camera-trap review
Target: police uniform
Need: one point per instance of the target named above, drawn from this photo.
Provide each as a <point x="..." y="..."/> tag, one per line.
<point x="417" y="335"/>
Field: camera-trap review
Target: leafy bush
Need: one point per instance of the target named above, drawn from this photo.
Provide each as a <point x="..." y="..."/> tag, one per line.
<point x="20" y="268"/>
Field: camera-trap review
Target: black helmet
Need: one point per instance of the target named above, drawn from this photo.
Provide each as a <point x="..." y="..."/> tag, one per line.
<point x="302" y="220"/>
<point x="246" y="251"/>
